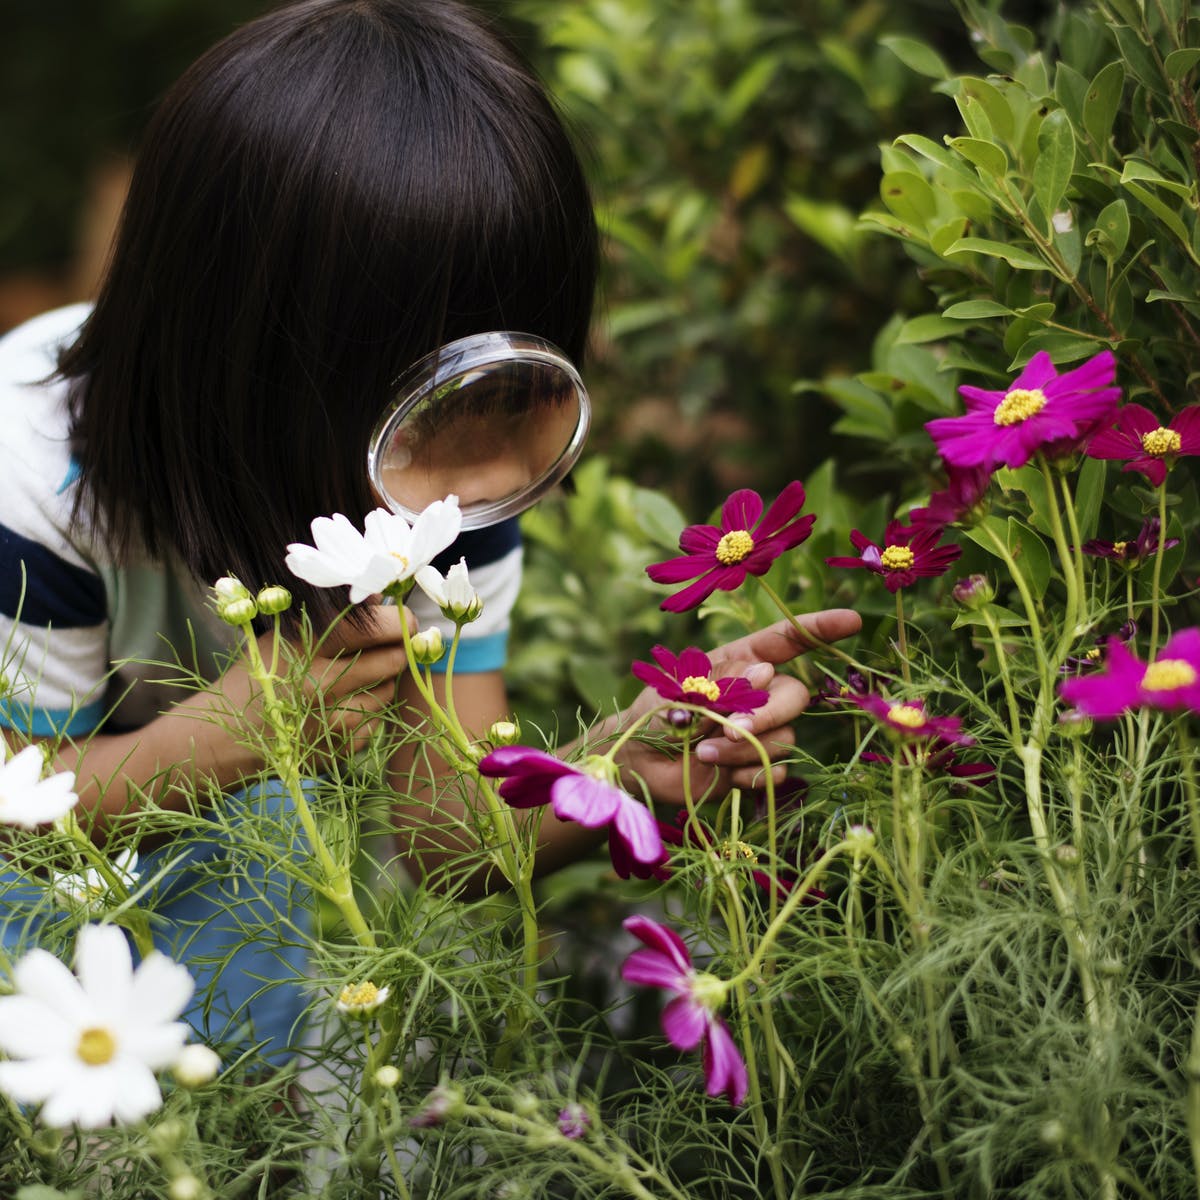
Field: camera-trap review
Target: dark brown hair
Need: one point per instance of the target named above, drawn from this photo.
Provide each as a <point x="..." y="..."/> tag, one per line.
<point x="331" y="192"/>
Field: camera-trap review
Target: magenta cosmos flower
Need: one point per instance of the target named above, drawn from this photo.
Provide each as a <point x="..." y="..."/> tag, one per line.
<point x="691" y="1017"/>
<point x="1042" y="409"/>
<point x="961" y="498"/>
<point x="908" y="553"/>
<point x="907" y="719"/>
<point x="533" y="778"/>
<point x="687" y="679"/>
<point x="1151" y="448"/>
<point x="1131" y="553"/>
<point x="1171" y="681"/>
<point x="747" y="543"/>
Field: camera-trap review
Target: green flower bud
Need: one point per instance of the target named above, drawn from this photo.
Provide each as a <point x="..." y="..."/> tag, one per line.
<point x="525" y="1104"/>
<point x="974" y="592"/>
<point x="505" y="733"/>
<point x="428" y="646"/>
<point x="228" y="588"/>
<point x="274" y="599"/>
<point x="238" y="612"/>
<point x="387" y="1076"/>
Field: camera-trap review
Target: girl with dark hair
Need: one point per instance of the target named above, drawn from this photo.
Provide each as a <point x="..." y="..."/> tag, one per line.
<point x="333" y="192"/>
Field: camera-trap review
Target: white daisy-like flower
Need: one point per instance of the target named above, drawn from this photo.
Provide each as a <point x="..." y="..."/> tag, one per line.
<point x="453" y="593"/>
<point x="361" y="999"/>
<point x="26" y="799"/>
<point x="86" y="1045"/>
<point x="388" y="550"/>
<point x="89" y="889"/>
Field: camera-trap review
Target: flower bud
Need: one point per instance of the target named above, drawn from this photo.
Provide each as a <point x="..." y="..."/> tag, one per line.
<point x="274" y="599"/>
<point x="505" y="733"/>
<point x="228" y="588"/>
<point x="428" y="646"/>
<point x="974" y="592"/>
<point x="442" y="1104"/>
<point x="682" y="718"/>
<point x="1066" y="854"/>
<point x="196" y="1065"/>
<point x="185" y="1187"/>
<point x="573" y="1121"/>
<point x="525" y="1104"/>
<point x="387" y="1076"/>
<point x="860" y="838"/>
<point x="238" y="612"/>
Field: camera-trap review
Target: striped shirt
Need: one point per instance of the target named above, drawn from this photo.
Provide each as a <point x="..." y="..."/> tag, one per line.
<point x="87" y="642"/>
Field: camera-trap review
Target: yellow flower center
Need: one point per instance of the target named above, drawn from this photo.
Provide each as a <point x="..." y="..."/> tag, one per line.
<point x="96" y="1047"/>
<point x="731" y="851"/>
<point x="907" y="715"/>
<point x="734" y="546"/>
<point x="1092" y="654"/>
<point x="1019" y="405"/>
<point x="1161" y="442"/>
<point x="1168" y="674"/>
<point x="1119" y="547"/>
<point x="896" y="558"/>
<point x="403" y="558"/>
<point x="707" y="990"/>
<point x="701" y="684"/>
<point x="359" y="995"/>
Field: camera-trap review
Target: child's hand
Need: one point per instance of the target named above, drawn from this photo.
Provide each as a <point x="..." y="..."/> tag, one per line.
<point x="730" y="760"/>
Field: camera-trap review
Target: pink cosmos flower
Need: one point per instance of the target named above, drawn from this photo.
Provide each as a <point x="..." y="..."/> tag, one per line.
<point x="1130" y="553"/>
<point x="1151" y="447"/>
<point x="747" y="543"/>
<point x="908" y="720"/>
<point x="908" y="553"/>
<point x="687" y="679"/>
<point x="1171" y="681"/>
<point x="1041" y="410"/>
<point x="959" y="499"/>
<point x="690" y="1018"/>
<point x="533" y="778"/>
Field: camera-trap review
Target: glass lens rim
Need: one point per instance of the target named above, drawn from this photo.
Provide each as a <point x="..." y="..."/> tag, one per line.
<point x="458" y="358"/>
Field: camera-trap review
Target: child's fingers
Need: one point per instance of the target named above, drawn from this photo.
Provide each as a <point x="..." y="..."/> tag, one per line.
<point x="783" y="641"/>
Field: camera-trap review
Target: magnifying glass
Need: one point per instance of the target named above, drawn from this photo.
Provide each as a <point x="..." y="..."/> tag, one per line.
<point x="497" y="419"/>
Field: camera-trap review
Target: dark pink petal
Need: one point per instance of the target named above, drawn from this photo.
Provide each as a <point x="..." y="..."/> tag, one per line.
<point x="1185" y="645"/>
<point x="586" y="801"/>
<point x="741" y="510"/>
<point x="508" y="760"/>
<point x="844" y="562"/>
<point x="693" y="661"/>
<point x="737" y="695"/>
<point x="1153" y="467"/>
<point x="724" y="1069"/>
<point x="1106" y="694"/>
<point x="1038" y="373"/>
<point x="1098" y="372"/>
<point x="676" y="570"/>
<point x="1187" y="424"/>
<point x="693" y="595"/>
<point x="787" y="504"/>
<point x="700" y="539"/>
<point x="980" y="400"/>
<point x="684" y="1022"/>
<point x="625" y="865"/>
<point x="662" y="682"/>
<point x="639" y="830"/>
<point x="654" y="969"/>
<point x="661" y="938"/>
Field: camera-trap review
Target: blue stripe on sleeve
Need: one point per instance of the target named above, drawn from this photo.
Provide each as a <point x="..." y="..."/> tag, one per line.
<point x="481" y="546"/>
<point x="47" y="722"/>
<point x="50" y="590"/>
<point x="476" y="654"/>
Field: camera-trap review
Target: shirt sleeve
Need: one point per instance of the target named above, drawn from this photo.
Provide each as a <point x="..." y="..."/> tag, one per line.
<point x="494" y="559"/>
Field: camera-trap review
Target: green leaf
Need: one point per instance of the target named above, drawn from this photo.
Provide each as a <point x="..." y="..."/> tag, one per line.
<point x="1003" y="617"/>
<point x="1103" y="101"/>
<point x="917" y="56"/>
<point x="658" y="517"/>
<point x="1055" y="161"/>
<point x="1015" y="256"/>
<point x="909" y="196"/>
<point x="928" y="327"/>
<point x="1031" y="555"/>
<point x="974" y="310"/>
<point x="1110" y="235"/>
<point x="1089" y="493"/>
<point x="1070" y="90"/>
<point x="746" y="89"/>
<point x="1139" y="169"/>
<point x="1179" y="62"/>
<point x="978" y="98"/>
<point x="987" y="156"/>
<point x="1164" y="212"/>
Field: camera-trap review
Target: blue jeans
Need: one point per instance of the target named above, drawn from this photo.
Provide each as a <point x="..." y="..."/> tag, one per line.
<point x="241" y="925"/>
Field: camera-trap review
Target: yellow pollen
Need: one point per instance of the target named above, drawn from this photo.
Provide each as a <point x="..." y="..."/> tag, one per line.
<point x="1161" y="442"/>
<point x="731" y="851"/>
<point x="1168" y="674"/>
<point x="734" y="546"/>
<point x="1119" y="547"/>
<point x="359" y="995"/>
<point x="402" y="557"/>
<point x="96" y="1047"/>
<point x="1019" y="405"/>
<point x="896" y="558"/>
<point x="908" y="715"/>
<point x="1092" y="654"/>
<point x="701" y="684"/>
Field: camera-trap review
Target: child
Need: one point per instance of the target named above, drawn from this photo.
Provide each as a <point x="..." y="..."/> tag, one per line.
<point x="332" y="192"/>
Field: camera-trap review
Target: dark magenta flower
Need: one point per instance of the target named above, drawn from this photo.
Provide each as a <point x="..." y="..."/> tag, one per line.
<point x="944" y="762"/>
<point x="743" y="545"/>
<point x="1042" y="409"/>
<point x="533" y="778"/>
<point x="691" y="1017"/>
<point x="960" y="499"/>
<point x="908" y="720"/>
<point x="908" y="553"/>
<point x="573" y="1121"/>
<point x="1171" y="681"/>
<point x="687" y="679"/>
<point x="1130" y="553"/>
<point x="1151" y="447"/>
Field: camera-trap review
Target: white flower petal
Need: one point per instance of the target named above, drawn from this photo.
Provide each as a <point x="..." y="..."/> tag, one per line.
<point x="434" y="530"/>
<point x="105" y="969"/>
<point x="31" y="1029"/>
<point x="40" y="976"/>
<point x="136" y="1094"/>
<point x="84" y="1096"/>
<point x="32" y="1081"/>
<point x="430" y="581"/>
<point x="161" y="989"/>
<point x="314" y="567"/>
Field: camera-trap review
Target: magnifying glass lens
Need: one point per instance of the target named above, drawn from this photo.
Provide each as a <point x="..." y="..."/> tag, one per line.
<point x="495" y="420"/>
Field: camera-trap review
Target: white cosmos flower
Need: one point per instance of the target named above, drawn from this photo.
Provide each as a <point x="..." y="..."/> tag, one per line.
<point x="361" y="999"/>
<point x="388" y="551"/>
<point x="26" y="799"/>
<point x="86" y="1045"/>
<point x="453" y="594"/>
<point x="89" y="889"/>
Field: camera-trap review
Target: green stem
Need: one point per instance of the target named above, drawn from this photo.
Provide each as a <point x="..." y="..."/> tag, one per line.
<point x="1155" y="586"/>
<point x="902" y="638"/>
<point x="1076" y="543"/>
<point x="1066" y="562"/>
<point x="1014" y="711"/>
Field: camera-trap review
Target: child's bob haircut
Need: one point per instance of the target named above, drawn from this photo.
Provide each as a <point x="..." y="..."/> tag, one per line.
<point x="330" y="193"/>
